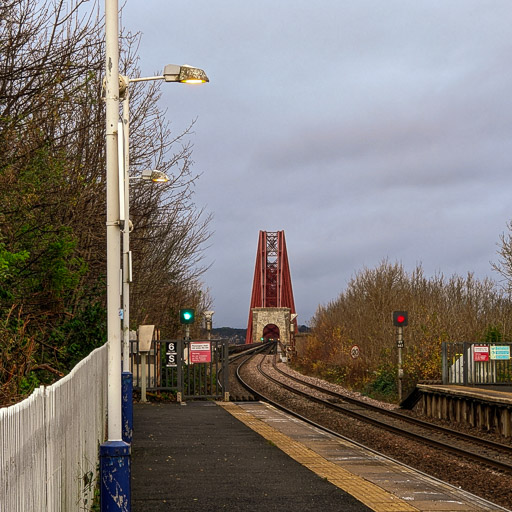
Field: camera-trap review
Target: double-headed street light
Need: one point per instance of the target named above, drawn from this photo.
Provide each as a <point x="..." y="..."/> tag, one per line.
<point x="115" y="452"/>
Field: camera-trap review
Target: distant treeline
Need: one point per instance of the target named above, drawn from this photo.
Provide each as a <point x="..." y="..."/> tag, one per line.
<point x="228" y="332"/>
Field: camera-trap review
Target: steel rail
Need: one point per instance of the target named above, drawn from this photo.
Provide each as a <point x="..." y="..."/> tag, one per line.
<point x="402" y="417"/>
<point x="445" y="446"/>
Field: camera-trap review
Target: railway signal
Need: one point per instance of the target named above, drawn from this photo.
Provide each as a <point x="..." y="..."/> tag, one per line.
<point x="400" y="318"/>
<point x="187" y="316"/>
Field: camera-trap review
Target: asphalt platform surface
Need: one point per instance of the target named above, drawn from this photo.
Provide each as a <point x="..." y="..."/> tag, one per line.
<point x="198" y="457"/>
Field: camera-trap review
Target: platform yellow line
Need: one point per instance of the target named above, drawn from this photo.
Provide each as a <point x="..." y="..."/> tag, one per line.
<point x="366" y="492"/>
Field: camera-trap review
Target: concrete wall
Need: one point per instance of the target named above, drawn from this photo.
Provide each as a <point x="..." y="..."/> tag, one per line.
<point x="471" y="406"/>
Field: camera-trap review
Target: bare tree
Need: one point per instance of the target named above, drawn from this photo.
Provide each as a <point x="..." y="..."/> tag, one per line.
<point x="504" y="265"/>
<point x="52" y="192"/>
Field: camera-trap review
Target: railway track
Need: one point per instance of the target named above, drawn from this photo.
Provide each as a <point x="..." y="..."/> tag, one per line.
<point x="239" y="392"/>
<point x="494" y="455"/>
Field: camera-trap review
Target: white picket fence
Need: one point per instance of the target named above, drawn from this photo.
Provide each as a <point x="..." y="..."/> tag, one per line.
<point x="49" y="443"/>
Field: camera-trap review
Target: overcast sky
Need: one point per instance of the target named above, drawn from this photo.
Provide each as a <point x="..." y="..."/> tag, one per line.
<point x="363" y="129"/>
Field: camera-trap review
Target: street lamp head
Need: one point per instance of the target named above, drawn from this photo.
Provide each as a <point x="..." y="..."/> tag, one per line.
<point x="155" y="176"/>
<point x="184" y="74"/>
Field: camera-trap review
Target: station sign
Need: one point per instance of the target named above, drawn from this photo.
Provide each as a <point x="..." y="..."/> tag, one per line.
<point x="200" y="352"/>
<point x="500" y="352"/>
<point x="480" y="353"/>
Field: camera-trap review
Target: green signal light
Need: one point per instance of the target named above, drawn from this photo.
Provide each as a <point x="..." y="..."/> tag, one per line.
<point x="187" y="316"/>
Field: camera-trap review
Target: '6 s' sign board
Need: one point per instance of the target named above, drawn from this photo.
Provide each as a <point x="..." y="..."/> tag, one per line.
<point x="171" y="353"/>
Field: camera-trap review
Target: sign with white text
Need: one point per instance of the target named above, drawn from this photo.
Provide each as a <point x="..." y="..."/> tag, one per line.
<point x="200" y="352"/>
<point x="171" y="351"/>
<point x="480" y="353"/>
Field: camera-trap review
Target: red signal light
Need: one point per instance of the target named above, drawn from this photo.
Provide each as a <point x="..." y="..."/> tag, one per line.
<point x="400" y="318"/>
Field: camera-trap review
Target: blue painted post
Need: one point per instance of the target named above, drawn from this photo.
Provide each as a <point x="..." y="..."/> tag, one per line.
<point x="127" y="405"/>
<point x="115" y="472"/>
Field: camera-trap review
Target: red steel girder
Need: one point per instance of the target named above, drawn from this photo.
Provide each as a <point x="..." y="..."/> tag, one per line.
<point x="272" y="283"/>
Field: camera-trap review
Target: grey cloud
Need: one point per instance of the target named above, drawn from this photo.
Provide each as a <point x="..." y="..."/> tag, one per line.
<point x="364" y="129"/>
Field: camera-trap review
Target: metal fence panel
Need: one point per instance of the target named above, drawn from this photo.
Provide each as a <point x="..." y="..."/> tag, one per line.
<point x="180" y="373"/>
<point x="470" y="364"/>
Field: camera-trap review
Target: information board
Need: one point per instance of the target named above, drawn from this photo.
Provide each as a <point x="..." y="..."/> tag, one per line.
<point x="200" y="352"/>
<point x="500" y="352"/>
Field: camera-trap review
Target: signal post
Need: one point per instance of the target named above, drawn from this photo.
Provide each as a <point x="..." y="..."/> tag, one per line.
<point x="400" y="320"/>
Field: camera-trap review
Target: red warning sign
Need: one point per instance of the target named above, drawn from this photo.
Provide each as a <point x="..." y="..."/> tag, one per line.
<point x="480" y="353"/>
<point x="200" y="352"/>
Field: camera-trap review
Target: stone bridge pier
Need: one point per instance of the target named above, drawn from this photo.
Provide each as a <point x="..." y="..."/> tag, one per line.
<point x="274" y="324"/>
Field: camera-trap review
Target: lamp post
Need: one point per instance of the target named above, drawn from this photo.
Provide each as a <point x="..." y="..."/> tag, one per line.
<point x="172" y="73"/>
<point x="114" y="453"/>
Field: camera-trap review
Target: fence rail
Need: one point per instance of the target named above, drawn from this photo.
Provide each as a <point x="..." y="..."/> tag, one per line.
<point x="469" y="364"/>
<point x="49" y="442"/>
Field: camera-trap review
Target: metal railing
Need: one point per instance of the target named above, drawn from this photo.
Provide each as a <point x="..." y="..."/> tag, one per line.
<point x="470" y="364"/>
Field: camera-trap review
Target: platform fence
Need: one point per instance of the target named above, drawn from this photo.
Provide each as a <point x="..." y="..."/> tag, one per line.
<point x="471" y="364"/>
<point x="173" y="369"/>
<point x="49" y="442"/>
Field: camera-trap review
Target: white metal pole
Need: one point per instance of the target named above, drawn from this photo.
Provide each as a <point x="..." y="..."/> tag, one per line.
<point x="113" y="228"/>
<point x="126" y="234"/>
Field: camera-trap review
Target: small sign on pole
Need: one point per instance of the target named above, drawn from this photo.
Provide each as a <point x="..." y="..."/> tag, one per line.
<point x="172" y="347"/>
<point x="355" y="351"/>
<point x="172" y="360"/>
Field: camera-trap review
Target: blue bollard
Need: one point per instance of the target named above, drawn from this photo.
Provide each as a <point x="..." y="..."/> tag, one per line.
<point x="115" y="473"/>
<point x="127" y="406"/>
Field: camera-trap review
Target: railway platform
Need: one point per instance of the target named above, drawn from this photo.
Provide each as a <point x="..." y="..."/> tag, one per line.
<point x="214" y="456"/>
<point x="486" y="407"/>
